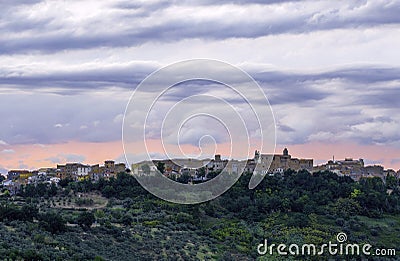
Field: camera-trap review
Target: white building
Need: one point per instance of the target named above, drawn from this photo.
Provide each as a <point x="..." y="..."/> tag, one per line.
<point x="83" y="170"/>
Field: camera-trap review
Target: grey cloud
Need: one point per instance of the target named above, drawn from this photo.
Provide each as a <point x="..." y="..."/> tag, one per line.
<point x="6" y="4"/>
<point x="7" y="151"/>
<point x="74" y="157"/>
<point x="72" y="82"/>
<point x="285" y="128"/>
<point x="357" y="74"/>
<point x="63" y="158"/>
<point x="3" y="171"/>
<point x="364" y="74"/>
<point x="324" y="113"/>
<point x="162" y="4"/>
<point x="337" y="106"/>
<point x="395" y="161"/>
<point x="301" y="17"/>
<point x="22" y="165"/>
<point x="382" y="98"/>
<point x="373" y="162"/>
<point x="54" y="160"/>
<point x="369" y="85"/>
<point x="41" y="112"/>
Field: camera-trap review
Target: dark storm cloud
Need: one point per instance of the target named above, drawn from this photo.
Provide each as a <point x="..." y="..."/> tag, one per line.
<point x="52" y="34"/>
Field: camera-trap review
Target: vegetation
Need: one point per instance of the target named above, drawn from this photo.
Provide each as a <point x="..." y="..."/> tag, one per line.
<point x="117" y="219"/>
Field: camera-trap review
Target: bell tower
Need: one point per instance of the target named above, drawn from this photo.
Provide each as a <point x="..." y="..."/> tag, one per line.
<point x="285" y="152"/>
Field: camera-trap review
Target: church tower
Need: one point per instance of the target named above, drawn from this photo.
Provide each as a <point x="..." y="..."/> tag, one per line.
<point x="285" y="152"/>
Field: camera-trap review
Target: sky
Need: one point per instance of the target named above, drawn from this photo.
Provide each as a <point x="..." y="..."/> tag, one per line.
<point x="330" y="70"/>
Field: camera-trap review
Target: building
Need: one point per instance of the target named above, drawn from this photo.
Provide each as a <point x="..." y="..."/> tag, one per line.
<point x="47" y="171"/>
<point x="111" y="169"/>
<point x="261" y="163"/>
<point x="374" y="170"/>
<point x="216" y="164"/>
<point x="170" y="167"/>
<point x="73" y="171"/>
<point x="236" y="166"/>
<point x="353" y="168"/>
<point x="82" y="171"/>
<point x="278" y="163"/>
<point x="95" y="173"/>
<point x="11" y="186"/>
<point x="144" y="168"/>
<point x="17" y="174"/>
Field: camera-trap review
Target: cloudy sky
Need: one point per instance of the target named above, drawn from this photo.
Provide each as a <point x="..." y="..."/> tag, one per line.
<point x="330" y="69"/>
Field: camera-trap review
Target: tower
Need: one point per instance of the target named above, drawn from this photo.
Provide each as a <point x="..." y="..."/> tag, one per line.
<point x="285" y="152"/>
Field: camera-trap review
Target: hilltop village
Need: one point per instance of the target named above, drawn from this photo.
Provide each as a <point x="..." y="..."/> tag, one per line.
<point x="196" y="170"/>
<point x="261" y="164"/>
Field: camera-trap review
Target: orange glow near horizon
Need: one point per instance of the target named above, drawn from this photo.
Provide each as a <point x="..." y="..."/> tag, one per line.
<point x="36" y="156"/>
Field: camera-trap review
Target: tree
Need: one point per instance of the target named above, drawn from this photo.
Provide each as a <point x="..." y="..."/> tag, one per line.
<point x="184" y="178"/>
<point x="85" y="219"/>
<point x="127" y="219"/>
<point x="64" y="182"/>
<point x="29" y="212"/>
<point x="202" y="172"/>
<point x="52" y="190"/>
<point x="391" y="182"/>
<point x="346" y="207"/>
<point x="108" y="191"/>
<point x="161" y="167"/>
<point x="52" y="222"/>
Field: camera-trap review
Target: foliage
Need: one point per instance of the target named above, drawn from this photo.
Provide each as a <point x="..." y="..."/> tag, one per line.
<point x="295" y="207"/>
<point x="85" y="219"/>
<point x="52" y="222"/>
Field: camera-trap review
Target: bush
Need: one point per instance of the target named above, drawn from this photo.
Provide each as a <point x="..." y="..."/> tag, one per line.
<point x="85" y="219"/>
<point x="52" y="222"/>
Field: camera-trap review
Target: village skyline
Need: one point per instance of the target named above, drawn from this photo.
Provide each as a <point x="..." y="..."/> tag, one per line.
<point x="354" y="167"/>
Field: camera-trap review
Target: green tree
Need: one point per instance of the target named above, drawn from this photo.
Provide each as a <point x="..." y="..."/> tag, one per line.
<point x="391" y="182"/>
<point x="161" y="167"/>
<point x="202" y="172"/>
<point x="29" y="212"/>
<point x="108" y="191"/>
<point x="346" y="207"/>
<point x="85" y="219"/>
<point x="52" y="222"/>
